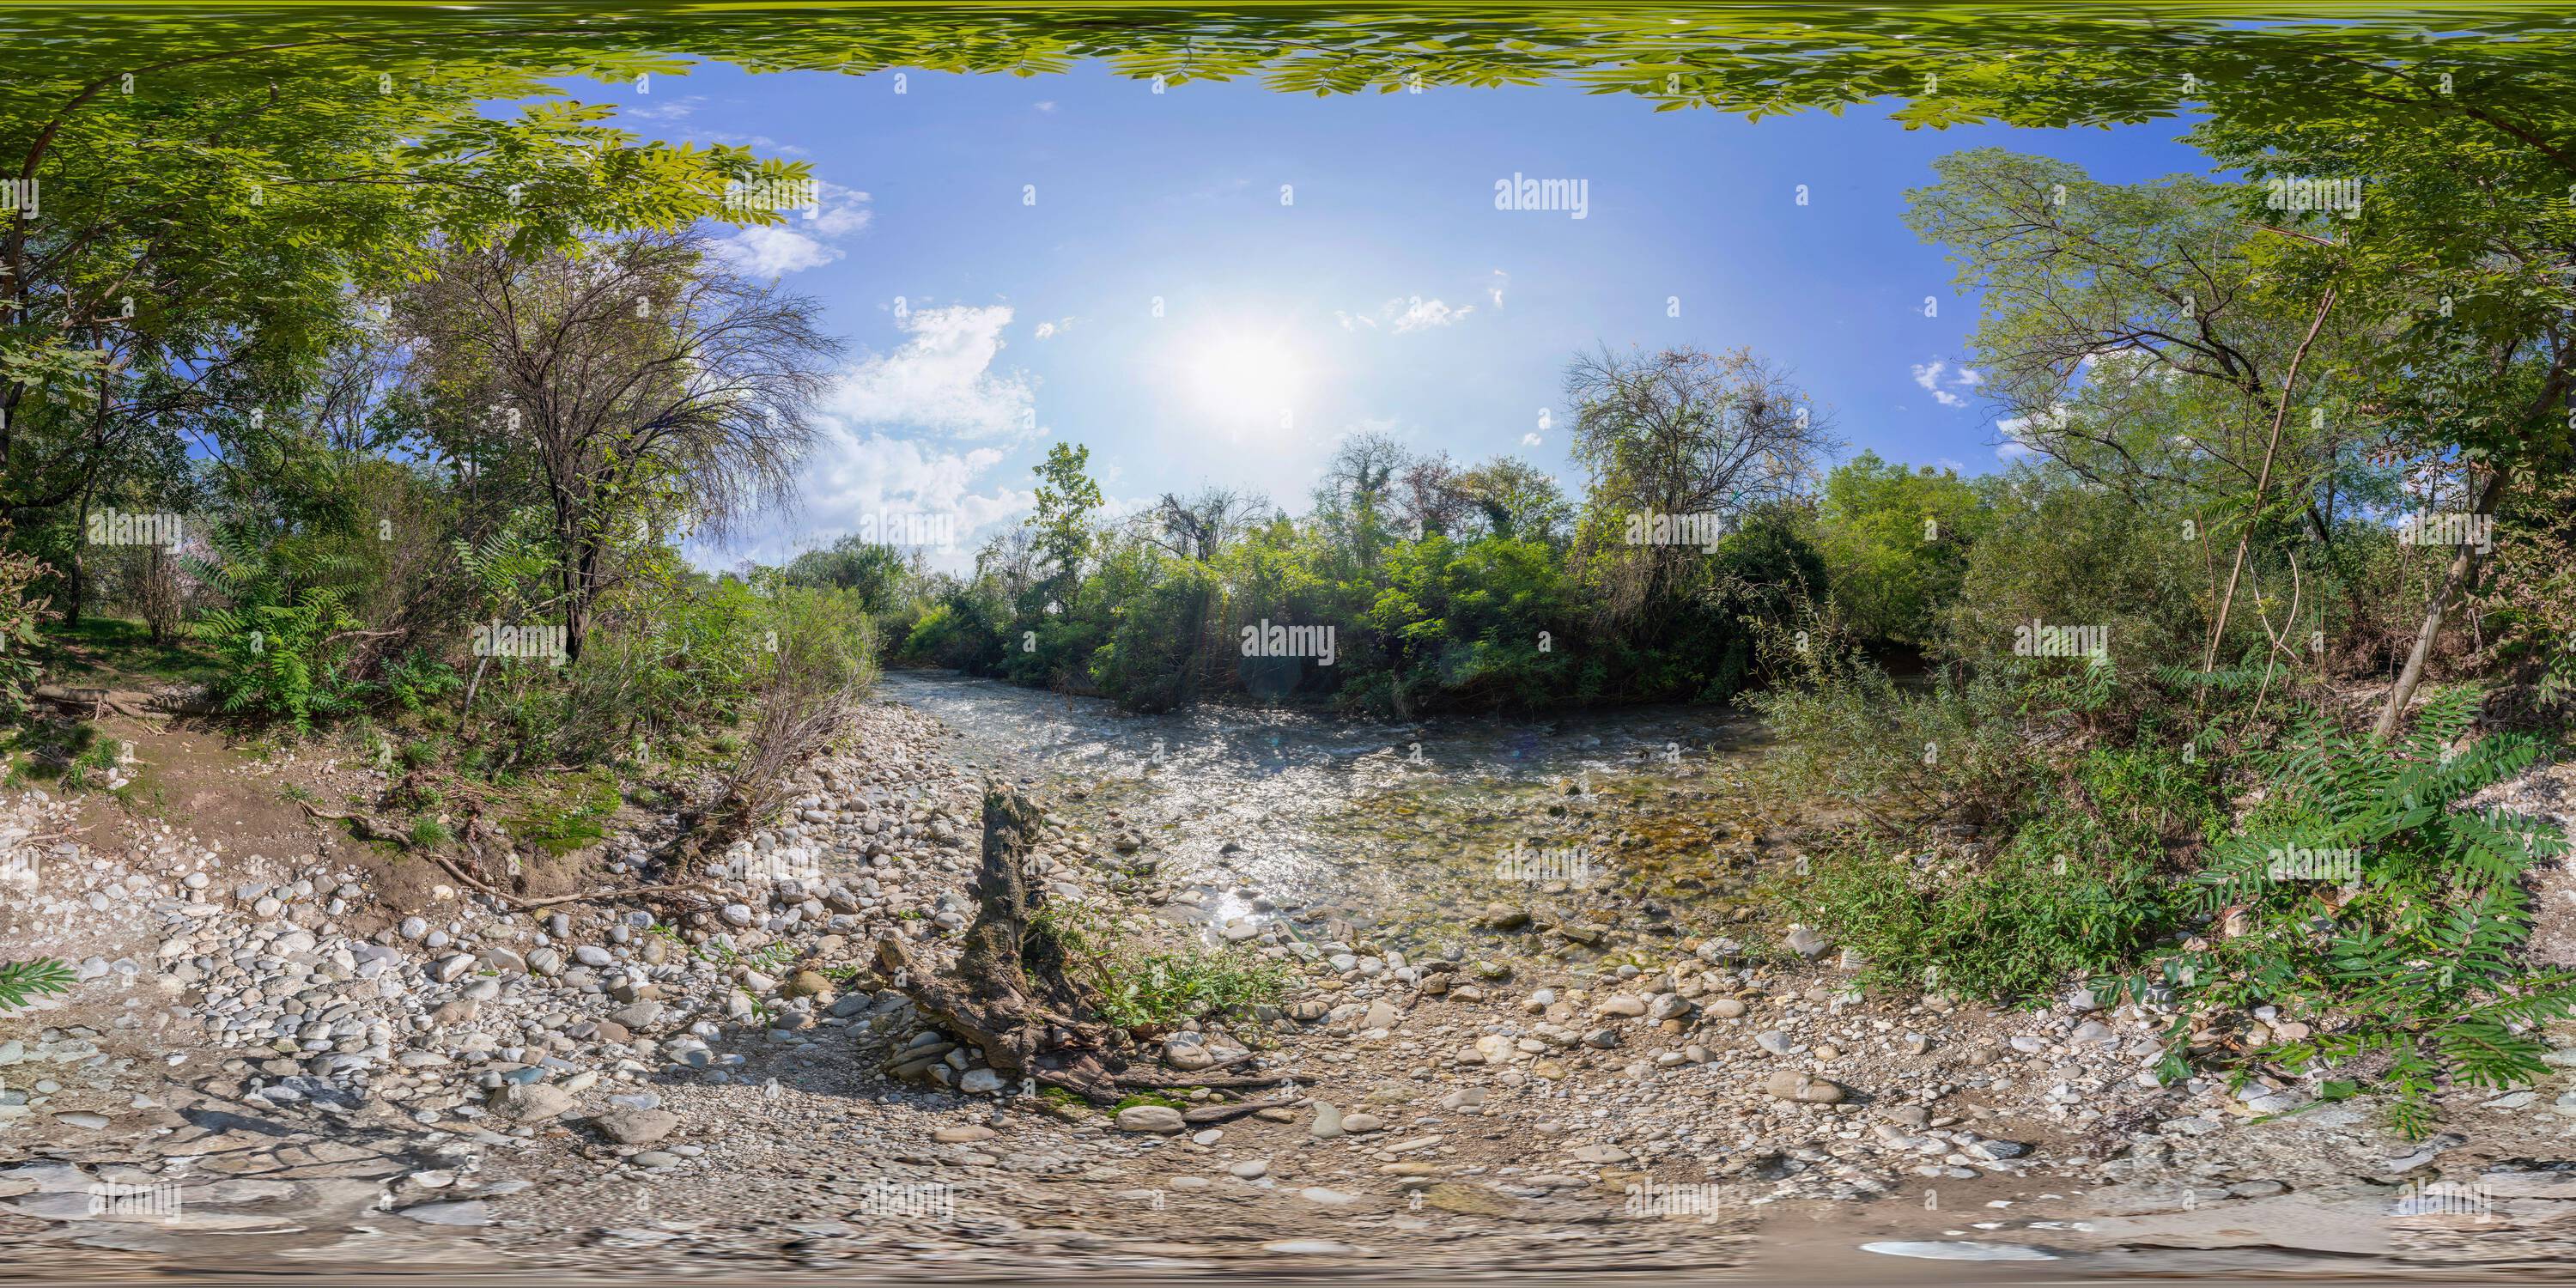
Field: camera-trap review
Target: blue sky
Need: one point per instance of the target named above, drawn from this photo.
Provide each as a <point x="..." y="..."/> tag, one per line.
<point x="1322" y="266"/>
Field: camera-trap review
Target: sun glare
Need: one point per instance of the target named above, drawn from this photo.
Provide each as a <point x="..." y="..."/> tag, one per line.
<point x="1243" y="378"/>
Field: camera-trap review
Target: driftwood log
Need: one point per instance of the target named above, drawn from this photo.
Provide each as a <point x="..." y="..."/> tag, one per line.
<point x="1009" y="992"/>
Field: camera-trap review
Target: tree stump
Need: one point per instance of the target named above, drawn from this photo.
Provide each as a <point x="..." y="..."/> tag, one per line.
<point x="1009" y="993"/>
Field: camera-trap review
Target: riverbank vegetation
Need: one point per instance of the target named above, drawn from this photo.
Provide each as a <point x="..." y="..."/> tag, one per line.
<point x="2274" y="578"/>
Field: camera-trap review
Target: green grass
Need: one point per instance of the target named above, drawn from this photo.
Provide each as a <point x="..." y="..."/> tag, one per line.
<point x="577" y="817"/>
<point x="1141" y="986"/>
<point x="105" y="647"/>
<point x="68" y="757"/>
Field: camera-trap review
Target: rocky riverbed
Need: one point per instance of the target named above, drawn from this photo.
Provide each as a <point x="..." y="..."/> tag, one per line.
<point x="263" y="1065"/>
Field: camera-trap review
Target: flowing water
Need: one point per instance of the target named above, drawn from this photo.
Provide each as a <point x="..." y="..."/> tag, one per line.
<point x="1394" y="833"/>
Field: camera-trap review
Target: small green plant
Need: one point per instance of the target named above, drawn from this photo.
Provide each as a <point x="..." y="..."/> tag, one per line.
<point x="22" y="982"/>
<point x="297" y="792"/>
<point x="2358" y="898"/>
<point x="416" y="753"/>
<point x="89" y="770"/>
<point x="417" y="680"/>
<point x="570" y="824"/>
<point x="429" y="832"/>
<point x="19" y="618"/>
<point x="1140" y="986"/>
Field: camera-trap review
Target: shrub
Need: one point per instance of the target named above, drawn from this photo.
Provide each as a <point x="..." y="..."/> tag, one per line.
<point x="1892" y="574"/>
<point x="283" y="641"/>
<point x="1146" y="987"/>
<point x="417" y="679"/>
<point x="20" y="615"/>
<point x="2409" y="972"/>
<point x="2075" y="890"/>
<point x="2064" y="554"/>
<point x="1961" y="744"/>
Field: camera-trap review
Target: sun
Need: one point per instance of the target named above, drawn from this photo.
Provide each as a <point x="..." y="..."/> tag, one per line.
<point x="1242" y="377"/>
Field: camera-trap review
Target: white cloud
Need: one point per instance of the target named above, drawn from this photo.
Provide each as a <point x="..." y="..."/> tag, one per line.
<point x="774" y="250"/>
<point x="1050" y="330"/>
<point x="1406" y="314"/>
<point x="2017" y="432"/>
<point x="1495" y="287"/>
<point x="802" y="242"/>
<point x="941" y="379"/>
<point x="880" y="488"/>
<point x="756" y="142"/>
<point x="1046" y="105"/>
<point x="1421" y="313"/>
<point x="669" y="110"/>
<point x="1928" y="376"/>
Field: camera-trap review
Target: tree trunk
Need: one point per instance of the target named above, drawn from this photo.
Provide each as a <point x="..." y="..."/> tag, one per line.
<point x="2262" y="483"/>
<point x="2463" y="564"/>
<point x="1010" y="995"/>
<point x="77" y="571"/>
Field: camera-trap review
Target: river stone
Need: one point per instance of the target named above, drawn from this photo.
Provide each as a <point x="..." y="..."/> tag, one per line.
<point x="1158" y="1120"/>
<point x="1806" y="943"/>
<point x="963" y="1134"/>
<point x="532" y="1102"/>
<point x="636" y="1126"/>
<point x="451" y="1212"/>
<point x="1328" y="1121"/>
<point x="1790" y="1084"/>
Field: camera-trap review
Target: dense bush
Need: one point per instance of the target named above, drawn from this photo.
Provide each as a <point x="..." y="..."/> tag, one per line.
<point x="1895" y="544"/>
<point x="2359" y="895"/>
<point x="20" y="614"/>
<point x="2057" y="552"/>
